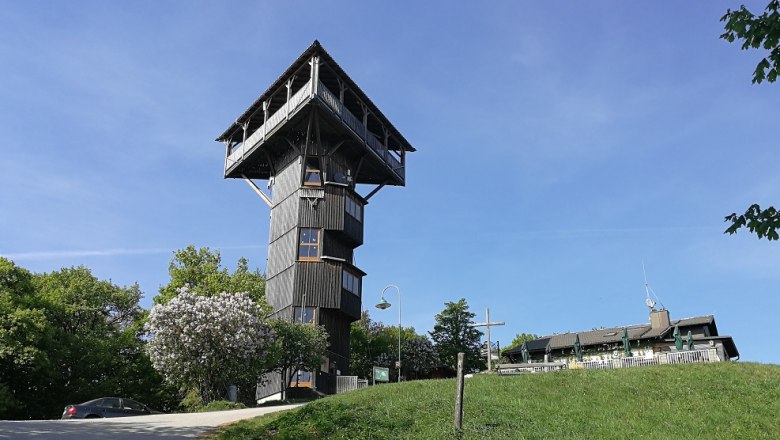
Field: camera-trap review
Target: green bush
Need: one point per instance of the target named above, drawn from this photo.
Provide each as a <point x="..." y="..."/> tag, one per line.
<point x="191" y="401"/>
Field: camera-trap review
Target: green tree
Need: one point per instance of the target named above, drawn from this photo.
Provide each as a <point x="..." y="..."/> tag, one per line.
<point x="68" y="337"/>
<point x="374" y="344"/>
<point x="519" y="339"/>
<point x="201" y="272"/>
<point x="757" y="32"/>
<point x="453" y="334"/>
<point x="24" y="337"/>
<point x="96" y="347"/>
<point x="368" y="340"/>
<point x="419" y="357"/>
<point x="298" y="346"/>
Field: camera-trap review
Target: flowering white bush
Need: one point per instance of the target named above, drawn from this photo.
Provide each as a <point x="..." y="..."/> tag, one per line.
<point x="208" y="342"/>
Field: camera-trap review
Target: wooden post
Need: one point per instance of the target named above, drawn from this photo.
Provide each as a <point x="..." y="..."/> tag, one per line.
<point x="459" y="395"/>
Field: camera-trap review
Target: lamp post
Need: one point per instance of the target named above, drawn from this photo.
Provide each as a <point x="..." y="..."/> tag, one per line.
<point x="383" y="304"/>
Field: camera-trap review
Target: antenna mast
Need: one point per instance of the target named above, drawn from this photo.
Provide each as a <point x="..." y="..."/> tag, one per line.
<point x="649" y="301"/>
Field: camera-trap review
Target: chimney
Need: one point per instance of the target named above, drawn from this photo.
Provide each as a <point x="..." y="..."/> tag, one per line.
<point x="659" y="319"/>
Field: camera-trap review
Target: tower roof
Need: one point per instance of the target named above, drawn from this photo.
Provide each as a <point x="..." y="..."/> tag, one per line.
<point x="315" y="49"/>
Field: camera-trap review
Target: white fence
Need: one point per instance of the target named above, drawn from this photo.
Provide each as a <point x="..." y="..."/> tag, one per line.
<point x="349" y="383"/>
<point x="674" y="357"/>
<point x="530" y="368"/>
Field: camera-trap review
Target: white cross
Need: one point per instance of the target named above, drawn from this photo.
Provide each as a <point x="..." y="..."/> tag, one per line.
<point x="487" y="324"/>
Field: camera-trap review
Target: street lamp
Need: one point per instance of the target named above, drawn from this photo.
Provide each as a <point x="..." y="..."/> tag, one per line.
<point x="383" y="304"/>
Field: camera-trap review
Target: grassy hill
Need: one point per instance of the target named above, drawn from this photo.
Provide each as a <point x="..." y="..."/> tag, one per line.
<point x="724" y="400"/>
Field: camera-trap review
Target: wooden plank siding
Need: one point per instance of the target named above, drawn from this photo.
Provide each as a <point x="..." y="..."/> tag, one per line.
<point x="337" y="325"/>
<point x="333" y="246"/>
<point x="351" y="303"/>
<point x="319" y="282"/>
<point x="279" y="289"/>
<point x="282" y="253"/>
<point x="287" y="181"/>
<point x="327" y="214"/>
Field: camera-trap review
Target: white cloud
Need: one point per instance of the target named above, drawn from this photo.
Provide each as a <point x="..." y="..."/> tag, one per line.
<point x="50" y="255"/>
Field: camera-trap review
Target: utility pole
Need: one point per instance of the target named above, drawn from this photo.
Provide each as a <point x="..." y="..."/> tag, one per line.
<point x="488" y="324"/>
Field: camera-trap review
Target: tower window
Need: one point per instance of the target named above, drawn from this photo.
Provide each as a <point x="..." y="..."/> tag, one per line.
<point x="303" y="314"/>
<point x="353" y="207"/>
<point x="312" y="175"/>
<point x="309" y="244"/>
<point x="350" y="282"/>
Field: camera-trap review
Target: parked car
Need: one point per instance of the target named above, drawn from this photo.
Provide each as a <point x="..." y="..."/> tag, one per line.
<point x="106" y="407"/>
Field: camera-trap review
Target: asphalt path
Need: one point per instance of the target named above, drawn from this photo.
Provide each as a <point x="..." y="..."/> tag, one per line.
<point x="159" y="426"/>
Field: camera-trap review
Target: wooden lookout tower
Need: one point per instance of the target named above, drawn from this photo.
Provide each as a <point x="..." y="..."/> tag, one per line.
<point x="314" y="136"/>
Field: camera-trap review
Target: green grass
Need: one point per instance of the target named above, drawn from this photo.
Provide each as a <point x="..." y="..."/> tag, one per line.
<point x="724" y="400"/>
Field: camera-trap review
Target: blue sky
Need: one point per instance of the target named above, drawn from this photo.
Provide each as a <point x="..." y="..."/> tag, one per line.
<point x="559" y="146"/>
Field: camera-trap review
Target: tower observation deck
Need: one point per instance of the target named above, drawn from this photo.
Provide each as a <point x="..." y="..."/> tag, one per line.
<point x="314" y="135"/>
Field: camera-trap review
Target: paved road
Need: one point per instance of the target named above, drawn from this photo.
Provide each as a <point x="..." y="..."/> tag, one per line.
<point x="161" y="426"/>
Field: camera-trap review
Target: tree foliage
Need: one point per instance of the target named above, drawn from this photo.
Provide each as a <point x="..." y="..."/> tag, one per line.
<point x="419" y="357"/>
<point x="757" y="32"/>
<point x="298" y="346"/>
<point x="519" y="339"/>
<point x="374" y="344"/>
<point x="208" y="342"/>
<point x="201" y="272"/>
<point x="67" y="337"/>
<point x="763" y="223"/>
<point x="368" y="340"/>
<point x="453" y="334"/>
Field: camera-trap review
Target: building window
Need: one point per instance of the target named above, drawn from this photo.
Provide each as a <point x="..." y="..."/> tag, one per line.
<point x="350" y="282"/>
<point x="353" y="207"/>
<point x="303" y="314"/>
<point x="309" y="244"/>
<point x="312" y="176"/>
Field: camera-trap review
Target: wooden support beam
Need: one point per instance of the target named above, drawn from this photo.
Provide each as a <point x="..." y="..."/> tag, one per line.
<point x="293" y="146"/>
<point x="259" y="191"/>
<point x="333" y="150"/>
<point x="375" y="190"/>
<point x="306" y="147"/>
<point x="270" y="162"/>
<point x="357" y="170"/>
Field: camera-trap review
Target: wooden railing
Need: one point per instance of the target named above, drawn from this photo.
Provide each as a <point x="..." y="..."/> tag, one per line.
<point x="359" y="129"/>
<point x="289" y="109"/>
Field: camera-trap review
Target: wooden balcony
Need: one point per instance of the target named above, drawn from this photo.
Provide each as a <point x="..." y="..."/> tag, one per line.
<point x="298" y="101"/>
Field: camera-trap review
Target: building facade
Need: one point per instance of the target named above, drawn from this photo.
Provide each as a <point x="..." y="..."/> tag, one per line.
<point x="661" y="339"/>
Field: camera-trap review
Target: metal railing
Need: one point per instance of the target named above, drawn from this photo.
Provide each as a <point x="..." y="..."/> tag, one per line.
<point x="529" y="368"/>
<point x="674" y="357"/>
<point x="693" y="356"/>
